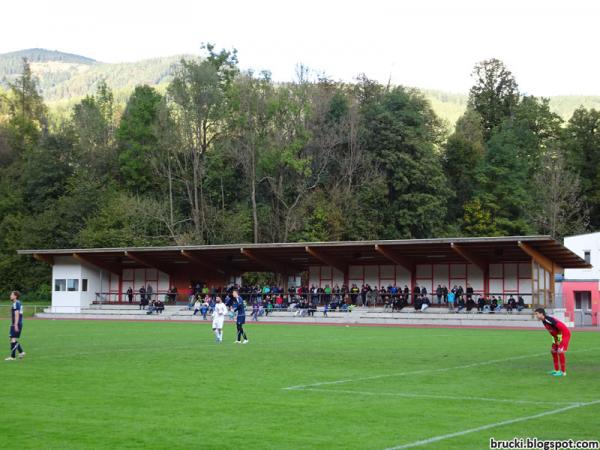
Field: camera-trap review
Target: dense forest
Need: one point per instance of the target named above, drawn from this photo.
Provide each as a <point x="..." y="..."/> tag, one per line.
<point x="222" y="155"/>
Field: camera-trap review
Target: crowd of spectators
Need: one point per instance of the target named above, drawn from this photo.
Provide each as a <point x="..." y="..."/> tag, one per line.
<point x="305" y="300"/>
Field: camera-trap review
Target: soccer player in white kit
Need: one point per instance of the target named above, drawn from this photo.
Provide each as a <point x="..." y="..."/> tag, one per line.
<point x="218" y="319"/>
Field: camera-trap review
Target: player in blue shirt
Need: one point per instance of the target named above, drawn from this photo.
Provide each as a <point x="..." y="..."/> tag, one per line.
<point x="16" y="327"/>
<point x="240" y="308"/>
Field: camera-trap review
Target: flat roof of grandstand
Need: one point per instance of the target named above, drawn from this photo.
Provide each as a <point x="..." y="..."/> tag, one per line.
<point x="298" y="256"/>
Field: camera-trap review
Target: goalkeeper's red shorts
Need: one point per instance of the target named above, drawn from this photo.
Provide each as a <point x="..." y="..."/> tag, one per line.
<point x="561" y="347"/>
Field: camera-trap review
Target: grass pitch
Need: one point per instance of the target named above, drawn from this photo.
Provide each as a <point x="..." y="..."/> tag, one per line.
<point x="100" y="384"/>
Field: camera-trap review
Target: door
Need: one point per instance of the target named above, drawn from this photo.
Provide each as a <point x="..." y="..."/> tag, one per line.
<point x="583" y="309"/>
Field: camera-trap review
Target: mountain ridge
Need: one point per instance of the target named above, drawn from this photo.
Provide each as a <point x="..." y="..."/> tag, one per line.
<point x="65" y="78"/>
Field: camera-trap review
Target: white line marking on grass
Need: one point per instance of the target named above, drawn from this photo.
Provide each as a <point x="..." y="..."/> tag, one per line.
<point x="492" y="425"/>
<point x="421" y="371"/>
<point x="442" y="397"/>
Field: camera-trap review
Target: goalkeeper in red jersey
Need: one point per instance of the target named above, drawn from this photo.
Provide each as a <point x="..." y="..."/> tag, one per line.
<point x="560" y="341"/>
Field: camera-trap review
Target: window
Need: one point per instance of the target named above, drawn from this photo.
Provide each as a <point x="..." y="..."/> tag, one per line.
<point x="72" y="285"/>
<point x="60" y="285"/>
<point x="84" y="285"/>
<point x="587" y="255"/>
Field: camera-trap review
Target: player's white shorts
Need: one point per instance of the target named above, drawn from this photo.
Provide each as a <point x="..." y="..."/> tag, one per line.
<point x="218" y="323"/>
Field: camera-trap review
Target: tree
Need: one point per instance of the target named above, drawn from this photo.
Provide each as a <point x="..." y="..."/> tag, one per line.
<point x="558" y="206"/>
<point x="404" y="135"/>
<point x="582" y="147"/>
<point x="464" y="153"/>
<point x="251" y="127"/>
<point x="136" y="139"/>
<point x="196" y="109"/>
<point x="93" y="128"/>
<point x="503" y="188"/>
<point x="27" y="111"/>
<point x="494" y="95"/>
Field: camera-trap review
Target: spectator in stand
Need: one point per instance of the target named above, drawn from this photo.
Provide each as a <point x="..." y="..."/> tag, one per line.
<point x="451" y="297"/>
<point x="416" y="293"/>
<point x="130" y="294"/>
<point x="160" y="306"/>
<point x="481" y="304"/>
<point x="191" y="297"/>
<point x="269" y="308"/>
<point x="363" y="294"/>
<point x="417" y="303"/>
<point x="406" y="293"/>
<point x="493" y="305"/>
<point x="327" y="297"/>
<point x="425" y="303"/>
<point x="149" y="292"/>
<point x="337" y="294"/>
<point x="371" y="296"/>
<point x="469" y="292"/>
<point x="354" y="291"/>
<point x="460" y="304"/>
<point x="142" y="297"/>
<point x="151" y="308"/>
<point x="471" y="304"/>
<point x="500" y="304"/>
<point x="424" y="291"/>
<point x="439" y="293"/>
<point x="520" y="304"/>
<point x="445" y="293"/>
<point x="255" y="310"/>
<point x="197" y="306"/>
<point x="173" y="294"/>
<point x="204" y="307"/>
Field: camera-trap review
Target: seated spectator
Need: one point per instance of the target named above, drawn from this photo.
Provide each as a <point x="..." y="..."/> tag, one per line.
<point x="418" y="302"/>
<point x="160" y="306"/>
<point x="520" y="304"/>
<point x="197" y="306"/>
<point x="511" y="304"/>
<point x="461" y="304"/>
<point x="204" y="309"/>
<point x="493" y="305"/>
<point x="425" y="303"/>
<point x="481" y="304"/>
<point x="470" y="304"/>
<point x="151" y="308"/>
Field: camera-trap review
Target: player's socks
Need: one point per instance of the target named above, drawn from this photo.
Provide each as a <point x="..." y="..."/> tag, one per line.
<point x="555" y="358"/>
<point x="19" y="348"/>
<point x="563" y="362"/>
<point x="13" y="349"/>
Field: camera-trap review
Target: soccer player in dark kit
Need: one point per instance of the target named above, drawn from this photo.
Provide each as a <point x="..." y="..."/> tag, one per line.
<point x="16" y="327"/>
<point x="240" y="308"/>
<point x="560" y="341"/>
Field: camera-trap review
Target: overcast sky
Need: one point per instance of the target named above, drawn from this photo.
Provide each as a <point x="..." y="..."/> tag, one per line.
<point x="551" y="46"/>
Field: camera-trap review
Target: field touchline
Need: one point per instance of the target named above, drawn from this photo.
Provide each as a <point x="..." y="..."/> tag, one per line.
<point x="492" y="425"/>
<point x="421" y="371"/>
<point x="442" y="397"/>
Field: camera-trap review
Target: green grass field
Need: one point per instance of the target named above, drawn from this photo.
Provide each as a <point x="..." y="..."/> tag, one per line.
<point x="168" y="385"/>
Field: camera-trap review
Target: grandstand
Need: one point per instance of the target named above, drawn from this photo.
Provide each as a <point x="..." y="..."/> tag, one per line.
<point x="93" y="283"/>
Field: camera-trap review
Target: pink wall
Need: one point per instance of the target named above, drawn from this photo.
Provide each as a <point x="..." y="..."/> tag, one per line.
<point x="570" y="287"/>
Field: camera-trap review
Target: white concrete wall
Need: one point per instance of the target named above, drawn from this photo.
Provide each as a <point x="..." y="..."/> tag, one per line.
<point x="64" y="268"/>
<point x="578" y="245"/>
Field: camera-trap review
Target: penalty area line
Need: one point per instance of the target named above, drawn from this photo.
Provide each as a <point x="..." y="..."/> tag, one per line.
<point x="440" y="397"/>
<point x="422" y="371"/>
<point x="492" y="425"/>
